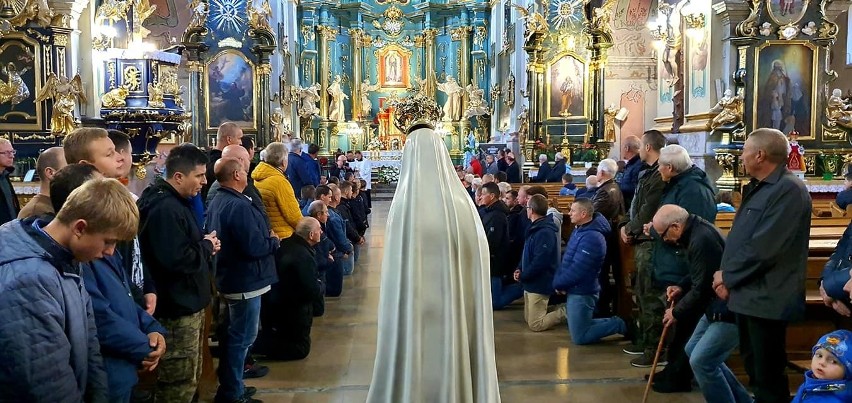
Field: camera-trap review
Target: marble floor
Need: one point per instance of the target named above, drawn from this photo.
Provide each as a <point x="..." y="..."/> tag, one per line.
<point x="539" y="367"/>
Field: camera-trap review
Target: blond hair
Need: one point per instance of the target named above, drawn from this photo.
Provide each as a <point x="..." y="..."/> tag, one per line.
<point x="105" y="205"/>
<point x="76" y="144"/>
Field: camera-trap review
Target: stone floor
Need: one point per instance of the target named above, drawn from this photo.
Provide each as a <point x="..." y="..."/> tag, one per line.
<point x="540" y="367"/>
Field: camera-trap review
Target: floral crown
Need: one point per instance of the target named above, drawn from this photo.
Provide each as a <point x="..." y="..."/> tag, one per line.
<point x="416" y="111"/>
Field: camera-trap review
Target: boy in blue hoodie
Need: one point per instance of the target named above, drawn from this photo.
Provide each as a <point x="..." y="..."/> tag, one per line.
<point x="831" y="370"/>
<point x="568" y="186"/>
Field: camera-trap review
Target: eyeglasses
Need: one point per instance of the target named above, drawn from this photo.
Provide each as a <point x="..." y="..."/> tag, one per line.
<point x="10" y="153"/>
<point x="663" y="235"/>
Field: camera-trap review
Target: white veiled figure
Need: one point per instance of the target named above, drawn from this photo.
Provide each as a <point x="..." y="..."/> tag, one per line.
<point x="436" y="333"/>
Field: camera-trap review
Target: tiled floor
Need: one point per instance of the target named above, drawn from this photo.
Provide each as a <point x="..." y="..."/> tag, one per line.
<point x="532" y="367"/>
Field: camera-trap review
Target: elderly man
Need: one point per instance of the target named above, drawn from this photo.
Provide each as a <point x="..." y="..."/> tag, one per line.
<point x="686" y="186"/>
<point x="288" y="308"/>
<point x="244" y="271"/>
<point x="630" y="179"/>
<point x="318" y="210"/>
<point x="543" y="169"/>
<point x="642" y="209"/>
<point x="227" y="134"/>
<point x="298" y="172"/>
<point x="9" y="206"/>
<point x="49" y="162"/>
<point x="763" y="277"/>
<point x="716" y="335"/>
<point x="608" y="201"/>
<point x="241" y="154"/>
<point x="559" y="168"/>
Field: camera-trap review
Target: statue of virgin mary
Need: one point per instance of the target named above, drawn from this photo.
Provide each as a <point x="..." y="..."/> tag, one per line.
<point x="436" y="336"/>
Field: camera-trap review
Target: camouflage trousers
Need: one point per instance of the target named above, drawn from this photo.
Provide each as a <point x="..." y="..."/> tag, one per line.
<point x="650" y="299"/>
<point x="180" y="368"/>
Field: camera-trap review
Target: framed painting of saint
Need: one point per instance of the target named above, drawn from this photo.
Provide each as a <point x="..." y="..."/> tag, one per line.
<point x="784" y="93"/>
<point x="230" y="90"/>
<point x="19" y="83"/>
<point x="566" y="88"/>
<point x="786" y="12"/>
<point x="393" y="66"/>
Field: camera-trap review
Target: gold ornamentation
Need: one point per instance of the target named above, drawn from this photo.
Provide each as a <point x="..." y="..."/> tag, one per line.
<point x="142" y="9"/>
<point x="132" y="78"/>
<point x="112" y="11"/>
<point x="258" y="14"/>
<point x="33" y="136"/>
<point x="416" y="111"/>
<point x="14" y="90"/>
<point x="828" y="30"/>
<point x="194" y="66"/>
<point x="326" y="31"/>
<point x="24" y="12"/>
<point x="730" y="110"/>
<point x="308" y="32"/>
<point x="534" y="23"/>
<point x="393" y="22"/>
<point x="155" y="96"/>
<point x="60" y="40"/>
<point x="479" y="36"/>
<point x="65" y="94"/>
<point x="837" y="111"/>
<point x="264" y="69"/>
<point x="460" y="33"/>
<point x="748" y="26"/>
<point x="168" y="79"/>
<point x="600" y="22"/>
<point x="115" y="98"/>
<point x="509" y="100"/>
<point x="200" y="10"/>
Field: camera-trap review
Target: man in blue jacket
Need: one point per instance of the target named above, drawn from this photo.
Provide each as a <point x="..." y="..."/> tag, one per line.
<point x="298" y="172"/>
<point x="48" y="338"/>
<point x="245" y="270"/>
<point x="539" y="261"/>
<point x="578" y="275"/>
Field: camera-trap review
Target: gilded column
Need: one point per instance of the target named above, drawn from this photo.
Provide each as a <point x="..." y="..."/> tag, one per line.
<point x="196" y="103"/>
<point x="535" y="86"/>
<point x="431" y="80"/>
<point x="356" y="46"/>
<point x="462" y="34"/>
<point x="264" y="131"/>
<point x="326" y="34"/>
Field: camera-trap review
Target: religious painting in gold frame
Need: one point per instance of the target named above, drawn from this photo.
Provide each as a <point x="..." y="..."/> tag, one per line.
<point x="786" y="12"/>
<point x="21" y="70"/>
<point x="567" y="85"/>
<point x="393" y="66"/>
<point x="785" y="87"/>
<point x="230" y="82"/>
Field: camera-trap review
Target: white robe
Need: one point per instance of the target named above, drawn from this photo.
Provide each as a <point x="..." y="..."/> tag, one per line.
<point x="436" y="334"/>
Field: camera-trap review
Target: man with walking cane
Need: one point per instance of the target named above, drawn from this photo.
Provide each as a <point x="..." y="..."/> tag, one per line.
<point x="715" y="336"/>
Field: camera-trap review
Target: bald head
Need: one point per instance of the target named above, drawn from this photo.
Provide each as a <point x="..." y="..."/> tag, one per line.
<point x="49" y="162"/>
<point x="669" y="214"/>
<point x="237" y="152"/>
<point x="309" y="229"/>
<point x="226" y="170"/>
<point x="771" y="142"/>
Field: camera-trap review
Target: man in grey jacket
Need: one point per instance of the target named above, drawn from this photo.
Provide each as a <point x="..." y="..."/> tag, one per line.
<point x="763" y="270"/>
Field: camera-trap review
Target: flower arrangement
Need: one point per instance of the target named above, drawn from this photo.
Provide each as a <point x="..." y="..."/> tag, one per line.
<point x="388" y="174"/>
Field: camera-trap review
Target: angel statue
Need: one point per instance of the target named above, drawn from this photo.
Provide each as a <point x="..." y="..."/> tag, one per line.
<point x="534" y="22"/>
<point x="837" y="111"/>
<point x="730" y="109"/>
<point x="276" y="121"/>
<point x="308" y="97"/>
<point x="199" y="14"/>
<point x="609" y="122"/>
<point x="258" y="13"/>
<point x="142" y="9"/>
<point x="65" y="95"/>
<point x="476" y="101"/>
<point x="14" y="90"/>
<point x="523" y="122"/>
<point x="336" y="110"/>
<point x="155" y="96"/>
<point x="452" y="108"/>
<point x="366" y="105"/>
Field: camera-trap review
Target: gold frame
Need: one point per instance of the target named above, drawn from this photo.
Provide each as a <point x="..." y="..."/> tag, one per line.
<point x="39" y="83"/>
<point x="814" y="82"/>
<point x="255" y="87"/>
<point x="776" y="19"/>
<point x="548" y="85"/>
<point x="380" y="55"/>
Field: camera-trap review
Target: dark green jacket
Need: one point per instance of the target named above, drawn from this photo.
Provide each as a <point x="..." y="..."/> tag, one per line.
<point x="691" y="190"/>
<point x="646" y="200"/>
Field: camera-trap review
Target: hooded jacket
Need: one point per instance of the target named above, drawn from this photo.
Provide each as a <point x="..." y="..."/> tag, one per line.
<point x="175" y="251"/>
<point x="48" y="338"/>
<point x="583" y="258"/>
<point x="691" y="190"/>
<point x="278" y="197"/>
<point x="540" y="257"/>
<point x="123" y="326"/>
<point x="828" y="390"/>
<point x="495" y="223"/>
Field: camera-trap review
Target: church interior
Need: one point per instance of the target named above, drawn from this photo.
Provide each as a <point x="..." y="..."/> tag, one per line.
<point x="568" y="79"/>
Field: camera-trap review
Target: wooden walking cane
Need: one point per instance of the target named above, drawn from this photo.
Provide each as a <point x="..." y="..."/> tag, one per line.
<point x="657" y="357"/>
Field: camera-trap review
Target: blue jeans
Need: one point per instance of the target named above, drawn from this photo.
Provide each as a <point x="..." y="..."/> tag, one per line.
<point x="348" y="263"/>
<point x="243" y="318"/>
<point x="708" y="348"/>
<point x="584" y="329"/>
<point x="504" y="295"/>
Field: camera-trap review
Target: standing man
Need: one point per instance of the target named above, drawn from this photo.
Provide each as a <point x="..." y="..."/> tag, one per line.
<point x="543" y="169"/>
<point x="312" y="161"/>
<point x="297" y="168"/>
<point x="630" y="178"/>
<point x="763" y="277"/>
<point x="178" y="255"/>
<point x="245" y="270"/>
<point x="49" y="162"/>
<point x="227" y="134"/>
<point x="364" y="168"/>
<point x="649" y="191"/>
<point x="9" y="205"/>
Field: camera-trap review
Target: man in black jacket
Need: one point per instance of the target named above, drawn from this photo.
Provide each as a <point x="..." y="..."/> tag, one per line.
<point x="559" y="169"/>
<point x="9" y="205"/>
<point x="703" y="244"/>
<point x="764" y="275"/>
<point x="178" y="255"/>
<point x="492" y="211"/>
<point x="288" y="307"/>
<point x="337" y="207"/>
<point x="543" y="169"/>
<point x="609" y="201"/>
<point x="245" y="270"/>
<point x="227" y="134"/>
